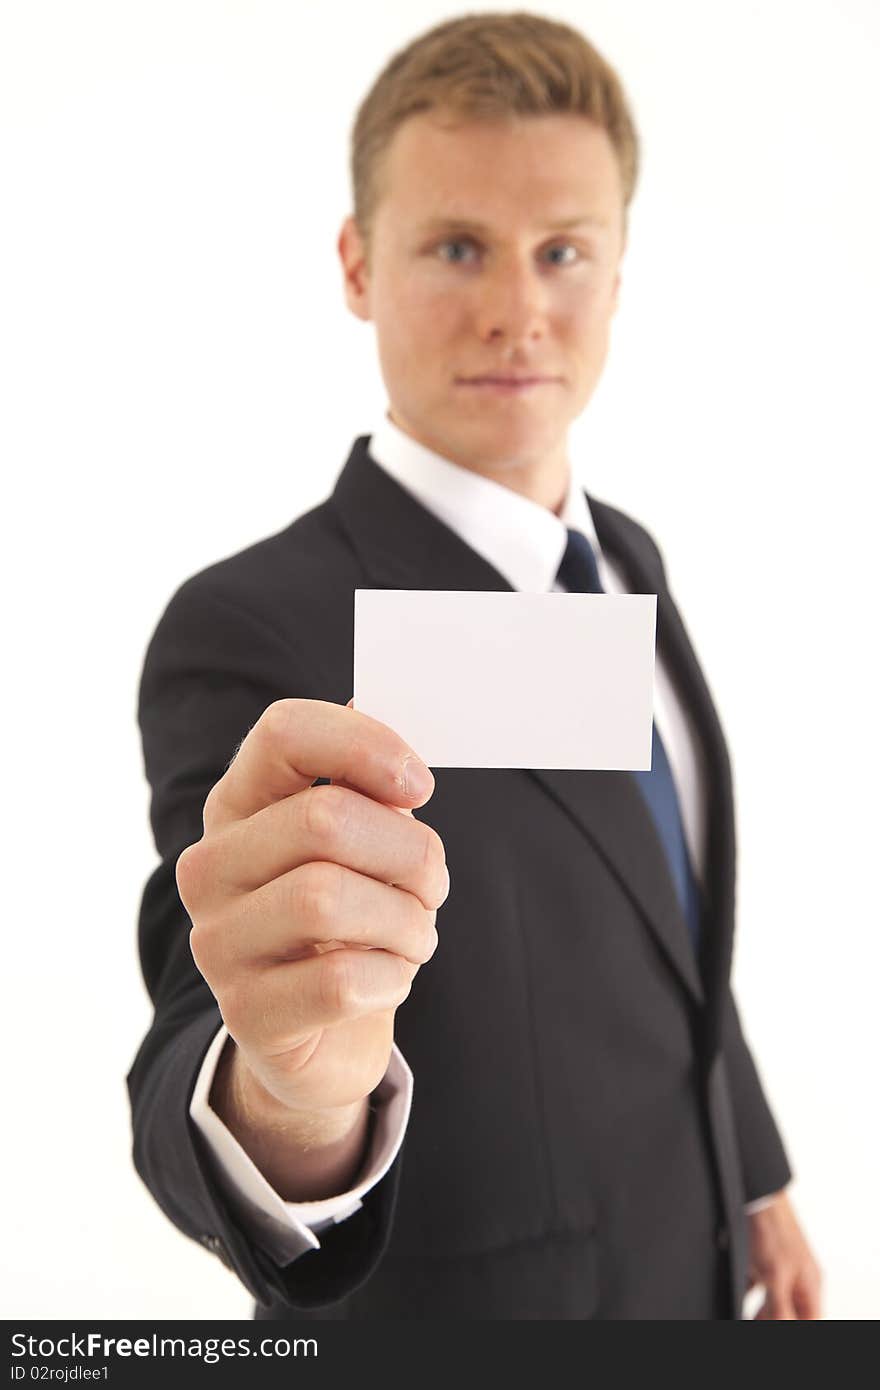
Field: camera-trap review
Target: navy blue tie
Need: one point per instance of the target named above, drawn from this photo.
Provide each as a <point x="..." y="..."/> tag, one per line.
<point x="580" y="574"/>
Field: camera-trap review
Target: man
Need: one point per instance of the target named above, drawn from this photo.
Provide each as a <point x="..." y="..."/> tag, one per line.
<point x="571" y="1125"/>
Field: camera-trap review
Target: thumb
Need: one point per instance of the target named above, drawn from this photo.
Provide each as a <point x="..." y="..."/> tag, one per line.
<point x="349" y="704"/>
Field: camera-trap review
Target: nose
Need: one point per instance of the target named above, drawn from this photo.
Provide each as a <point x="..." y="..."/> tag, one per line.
<point x="511" y="303"/>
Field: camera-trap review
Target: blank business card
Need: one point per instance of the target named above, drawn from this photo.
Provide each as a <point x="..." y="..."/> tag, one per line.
<point x="509" y="679"/>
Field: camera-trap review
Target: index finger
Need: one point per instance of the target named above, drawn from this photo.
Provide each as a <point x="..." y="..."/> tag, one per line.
<point x="295" y="741"/>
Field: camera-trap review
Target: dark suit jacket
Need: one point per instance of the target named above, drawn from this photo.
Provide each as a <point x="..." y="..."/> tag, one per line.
<point x="587" y="1120"/>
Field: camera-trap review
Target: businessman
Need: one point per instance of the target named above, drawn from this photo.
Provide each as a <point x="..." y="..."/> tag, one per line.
<point x="457" y="1045"/>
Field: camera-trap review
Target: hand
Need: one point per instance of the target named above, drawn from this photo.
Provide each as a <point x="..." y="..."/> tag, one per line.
<point x="314" y="907"/>
<point x="781" y="1260"/>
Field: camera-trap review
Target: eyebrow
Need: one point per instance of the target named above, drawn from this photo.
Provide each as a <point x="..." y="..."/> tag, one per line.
<point x="445" y="224"/>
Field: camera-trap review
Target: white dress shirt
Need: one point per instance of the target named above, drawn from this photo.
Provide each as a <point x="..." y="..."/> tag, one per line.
<point x="525" y="542"/>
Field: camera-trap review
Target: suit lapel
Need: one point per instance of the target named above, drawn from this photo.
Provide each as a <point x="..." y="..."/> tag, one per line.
<point x="609" y="807"/>
<point x="402" y="545"/>
<point x="615" y="535"/>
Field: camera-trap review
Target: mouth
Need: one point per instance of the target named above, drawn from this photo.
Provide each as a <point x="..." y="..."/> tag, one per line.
<point x="506" y="385"/>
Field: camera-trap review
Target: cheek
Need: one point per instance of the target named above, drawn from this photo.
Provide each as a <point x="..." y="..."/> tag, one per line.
<point x="584" y="303"/>
<point x="421" y="316"/>
<point x="585" y="319"/>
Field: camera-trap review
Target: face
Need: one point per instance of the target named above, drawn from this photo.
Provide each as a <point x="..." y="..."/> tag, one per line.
<point x="495" y="255"/>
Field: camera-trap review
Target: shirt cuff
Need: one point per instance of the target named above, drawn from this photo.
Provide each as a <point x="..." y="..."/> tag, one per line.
<point x="760" y="1203"/>
<point x="286" y="1230"/>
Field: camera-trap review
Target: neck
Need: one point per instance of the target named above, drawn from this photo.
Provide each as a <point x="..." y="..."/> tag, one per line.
<point x="545" y="481"/>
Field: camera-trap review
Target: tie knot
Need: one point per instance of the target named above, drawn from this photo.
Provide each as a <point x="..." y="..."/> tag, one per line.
<point x="579" y="571"/>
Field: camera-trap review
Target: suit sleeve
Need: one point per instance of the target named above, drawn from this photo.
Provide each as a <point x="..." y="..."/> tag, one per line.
<point x="210" y="670"/>
<point x="764" y="1162"/>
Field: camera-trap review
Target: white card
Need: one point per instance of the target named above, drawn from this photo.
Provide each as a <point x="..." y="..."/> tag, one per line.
<point x="509" y="679"/>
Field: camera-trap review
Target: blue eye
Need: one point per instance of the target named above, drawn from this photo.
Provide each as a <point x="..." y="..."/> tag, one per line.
<point x="566" y="246"/>
<point x="456" y="241"/>
<point x="466" y="241"/>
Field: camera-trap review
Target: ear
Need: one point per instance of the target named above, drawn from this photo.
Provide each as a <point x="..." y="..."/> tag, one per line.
<point x="356" y="283"/>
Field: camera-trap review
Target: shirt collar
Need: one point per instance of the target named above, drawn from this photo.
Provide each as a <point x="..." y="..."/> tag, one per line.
<point x="523" y="540"/>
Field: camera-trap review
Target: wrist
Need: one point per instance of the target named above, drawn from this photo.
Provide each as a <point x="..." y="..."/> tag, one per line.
<point x="304" y="1155"/>
<point x="243" y="1096"/>
<point x="762" y="1204"/>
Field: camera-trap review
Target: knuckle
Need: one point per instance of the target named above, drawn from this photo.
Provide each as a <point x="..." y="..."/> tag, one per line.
<point x="406" y="983"/>
<point x="274" y="723"/>
<point x="206" y="948"/>
<point x="326" y="812"/>
<point x="433" y="941"/>
<point x="435" y="852"/>
<point x="433" y="857"/>
<point x="317" y="892"/>
<point x="427" y="935"/>
<point x="199" y="948"/>
<point x="364" y="742"/>
<point x="209" y="806"/>
<point x="200" y="874"/>
<point x="189" y="870"/>
<point x="434" y="935"/>
<point x="338" y="983"/>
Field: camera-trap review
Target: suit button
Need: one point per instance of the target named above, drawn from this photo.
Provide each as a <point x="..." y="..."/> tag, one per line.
<point x="722" y="1238"/>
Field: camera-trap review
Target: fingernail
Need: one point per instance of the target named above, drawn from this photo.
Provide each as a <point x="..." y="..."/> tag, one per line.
<point x="417" y="779"/>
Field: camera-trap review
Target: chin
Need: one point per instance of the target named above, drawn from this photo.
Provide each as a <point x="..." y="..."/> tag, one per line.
<point x="514" y="447"/>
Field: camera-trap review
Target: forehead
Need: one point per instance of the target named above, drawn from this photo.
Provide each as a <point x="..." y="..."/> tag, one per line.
<point x="557" y="166"/>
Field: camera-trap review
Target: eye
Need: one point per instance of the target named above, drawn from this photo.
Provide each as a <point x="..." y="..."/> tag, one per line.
<point x="455" y="241"/>
<point x="565" y="246"/>
<point x="469" y="243"/>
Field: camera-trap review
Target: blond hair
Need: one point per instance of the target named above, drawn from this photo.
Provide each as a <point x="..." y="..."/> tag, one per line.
<point x="489" y="66"/>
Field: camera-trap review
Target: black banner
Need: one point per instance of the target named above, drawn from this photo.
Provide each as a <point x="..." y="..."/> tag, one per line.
<point x="197" y="1353"/>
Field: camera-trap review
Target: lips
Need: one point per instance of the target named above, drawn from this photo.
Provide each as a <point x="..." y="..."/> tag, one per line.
<point x="505" y="380"/>
<point x="506" y="385"/>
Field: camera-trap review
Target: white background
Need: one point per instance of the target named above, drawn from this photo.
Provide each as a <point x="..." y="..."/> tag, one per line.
<point x="181" y="378"/>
